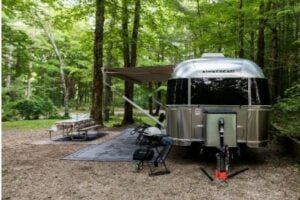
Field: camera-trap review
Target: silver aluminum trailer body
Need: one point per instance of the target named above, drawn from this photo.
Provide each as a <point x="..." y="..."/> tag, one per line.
<point x="215" y="85"/>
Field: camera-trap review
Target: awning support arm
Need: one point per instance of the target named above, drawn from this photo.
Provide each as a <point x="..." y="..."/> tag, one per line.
<point x="138" y="107"/>
<point x="142" y="110"/>
<point x="159" y="103"/>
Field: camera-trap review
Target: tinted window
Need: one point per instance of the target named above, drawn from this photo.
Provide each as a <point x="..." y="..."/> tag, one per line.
<point x="259" y="91"/>
<point x="177" y="91"/>
<point x="219" y="91"/>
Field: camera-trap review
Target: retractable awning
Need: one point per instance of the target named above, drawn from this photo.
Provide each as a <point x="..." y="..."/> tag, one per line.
<point x="142" y="74"/>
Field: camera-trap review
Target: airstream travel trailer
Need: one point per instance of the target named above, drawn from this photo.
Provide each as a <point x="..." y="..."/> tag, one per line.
<point x="202" y="92"/>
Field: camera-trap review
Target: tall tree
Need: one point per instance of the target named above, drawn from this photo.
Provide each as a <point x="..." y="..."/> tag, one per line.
<point x="158" y="98"/>
<point x="96" y="111"/>
<point x="130" y="59"/>
<point x="150" y="102"/>
<point x="107" y="79"/>
<point x="277" y="71"/>
<point x="252" y="45"/>
<point x="9" y="65"/>
<point x="128" y="110"/>
<point x="241" y="30"/>
<point x="29" y="90"/>
<point x="135" y="31"/>
<point x="61" y="65"/>
<point x="260" y="56"/>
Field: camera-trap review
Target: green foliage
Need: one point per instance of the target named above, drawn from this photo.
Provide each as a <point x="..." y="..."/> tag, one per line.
<point x="9" y="113"/>
<point x="162" y="88"/>
<point x="291" y="102"/>
<point x="287" y="112"/>
<point x="35" y="107"/>
<point x="29" y="109"/>
<point x="170" y="31"/>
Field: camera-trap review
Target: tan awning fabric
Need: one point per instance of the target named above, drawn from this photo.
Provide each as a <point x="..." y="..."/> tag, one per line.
<point x="142" y="74"/>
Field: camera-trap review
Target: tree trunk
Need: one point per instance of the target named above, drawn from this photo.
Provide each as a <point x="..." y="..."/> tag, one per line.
<point x="297" y="57"/>
<point x="135" y="31"/>
<point x="61" y="70"/>
<point x="77" y="94"/>
<point x="96" y="111"/>
<point x="158" y="99"/>
<point x="107" y="79"/>
<point x="277" y="82"/>
<point x="261" y="36"/>
<point x="161" y="58"/>
<point x="19" y="63"/>
<point x="128" y="110"/>
<point x="284" y="47"/>
<point x="80" y="94"/>
<point x="198" y="8"/>
<point x="220" y="40"/>
<point x="29" y="80"/>
<point x="241" y="30"/>
<point x="252" y="50"/>
<point x="150" y="102"/>
<point x="9" y="65"/>
<point x="276" y="69"/>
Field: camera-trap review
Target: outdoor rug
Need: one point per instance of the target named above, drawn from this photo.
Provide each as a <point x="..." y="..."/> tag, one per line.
<point x="90" y="137"/>
<point x="120" y="148"/>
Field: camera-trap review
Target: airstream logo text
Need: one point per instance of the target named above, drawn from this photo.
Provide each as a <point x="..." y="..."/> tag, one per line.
<point x="218" y="71"/>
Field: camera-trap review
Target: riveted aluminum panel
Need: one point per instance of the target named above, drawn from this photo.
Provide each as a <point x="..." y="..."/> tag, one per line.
<point x="179" y="124"/>
<point x="198" y="123"/>
<point x="257" y="127"/>
<point x="172" y="125"/>
<point x="241" y="123"/>
<point x="184" y="123"/>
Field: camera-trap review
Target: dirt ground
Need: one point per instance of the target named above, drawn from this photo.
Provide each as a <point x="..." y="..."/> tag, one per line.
<point x="33" y="169"/>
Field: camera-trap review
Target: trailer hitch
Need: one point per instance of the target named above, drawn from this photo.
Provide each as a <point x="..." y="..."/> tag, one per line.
<point x="221" y="172"/>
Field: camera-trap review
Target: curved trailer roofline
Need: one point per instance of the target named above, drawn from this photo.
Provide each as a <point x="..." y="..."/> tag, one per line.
<point x="209" y="66"/>
<point x="217" y="67"/>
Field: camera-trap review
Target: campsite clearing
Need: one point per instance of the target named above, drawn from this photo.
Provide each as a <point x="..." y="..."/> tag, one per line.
<point x="33" y="169"/>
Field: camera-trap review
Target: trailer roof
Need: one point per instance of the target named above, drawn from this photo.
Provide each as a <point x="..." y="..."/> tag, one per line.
<point x="217" y="67"/>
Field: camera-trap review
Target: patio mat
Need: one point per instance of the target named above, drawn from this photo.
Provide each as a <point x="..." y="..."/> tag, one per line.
<point x="120" y="148"/>
<point x="91" y="136"/>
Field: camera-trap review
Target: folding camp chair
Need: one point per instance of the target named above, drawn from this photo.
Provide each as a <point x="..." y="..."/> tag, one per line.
<point x="154" y="155"/>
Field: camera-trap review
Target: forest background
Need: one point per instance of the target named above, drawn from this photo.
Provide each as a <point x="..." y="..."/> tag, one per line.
<point x="54" y="51"/>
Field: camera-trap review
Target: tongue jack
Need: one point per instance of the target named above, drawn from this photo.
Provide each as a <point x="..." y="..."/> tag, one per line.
<point x="221" y="173"/>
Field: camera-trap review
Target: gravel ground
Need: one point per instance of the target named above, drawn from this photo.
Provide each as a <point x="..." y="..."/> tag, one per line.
<point x="33" y="169"/>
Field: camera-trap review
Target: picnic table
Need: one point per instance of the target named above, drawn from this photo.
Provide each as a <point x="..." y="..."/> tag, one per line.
<point x="74" y="127"/>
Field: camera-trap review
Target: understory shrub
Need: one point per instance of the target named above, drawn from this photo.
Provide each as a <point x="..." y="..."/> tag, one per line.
<point x="9" y="113"/>
<point x="287" y="112"/>
<point x="35" y="107"/>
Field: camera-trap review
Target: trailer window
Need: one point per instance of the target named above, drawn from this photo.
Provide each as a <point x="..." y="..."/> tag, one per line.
<point x="219" y="91"/>
<point x="259" y="91"/>
<point x="177" y="91"/>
